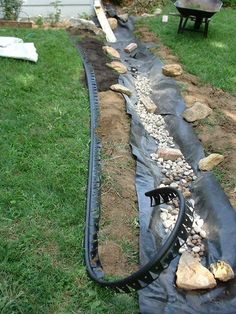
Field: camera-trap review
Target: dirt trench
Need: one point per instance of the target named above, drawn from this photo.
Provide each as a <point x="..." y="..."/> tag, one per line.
<point x="118" y="228"/>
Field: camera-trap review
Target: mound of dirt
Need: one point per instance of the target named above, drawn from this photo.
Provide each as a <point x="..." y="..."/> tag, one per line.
<point x="105" y="77"/>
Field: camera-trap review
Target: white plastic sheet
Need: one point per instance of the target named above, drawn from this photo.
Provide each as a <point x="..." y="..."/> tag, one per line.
<point x="12" y="47"/>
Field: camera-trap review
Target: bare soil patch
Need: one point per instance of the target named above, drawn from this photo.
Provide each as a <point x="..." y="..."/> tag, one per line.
<point x="218" y="131"/>
<point x="118" y="188"/>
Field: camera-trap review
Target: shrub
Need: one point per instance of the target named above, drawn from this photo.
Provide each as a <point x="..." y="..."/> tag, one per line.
<point x="11" y="9"/>
<point x="229" y="3"/>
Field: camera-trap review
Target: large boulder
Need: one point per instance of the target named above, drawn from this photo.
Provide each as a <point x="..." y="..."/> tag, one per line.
<point x="197" y="112"/>
<point x="192" y="275"/>
<point x="209" y="162"/>
<point x="172" y="70"/>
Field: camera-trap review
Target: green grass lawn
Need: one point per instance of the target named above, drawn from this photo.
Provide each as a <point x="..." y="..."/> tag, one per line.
<point x="44" y="145"/>
<point x="212" y="59"/>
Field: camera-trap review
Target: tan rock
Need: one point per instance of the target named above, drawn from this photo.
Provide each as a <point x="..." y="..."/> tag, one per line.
<point x="172" y="70"/>
<point x="112" y="22"/>
<point x="111" y="52"/>
<point x="148" y="104"/>
<point x="169" y="153"/>
<point x="190" y="100"/>
<point x="121" y="89"/>
<point x="209" y="162"/>
<point x="131" y="47"/>
<point x="197" y="112"/>
<point x="117" y="66"/>
<point x="222" y="271"/>
<point x="192" y="275"/>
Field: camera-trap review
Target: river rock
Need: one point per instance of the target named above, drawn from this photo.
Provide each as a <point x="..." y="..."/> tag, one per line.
<point x="117" y="66"/>
<point x="112" y="22"/>
<point x="208" y="163"/>
<point x="197" y="112"/>
<point x="111" y="52"/>
<point x="222" y="271"/>
<point x="169" y="153"/>
<point x="121" y="89"/>
<point x="172" y="70"/>
<point x="192" y="275"/>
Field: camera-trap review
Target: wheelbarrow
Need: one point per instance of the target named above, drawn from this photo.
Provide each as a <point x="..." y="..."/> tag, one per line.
<point x="199" y="11"/>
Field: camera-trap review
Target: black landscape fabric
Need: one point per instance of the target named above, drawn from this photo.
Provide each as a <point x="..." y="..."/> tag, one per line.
<point x="162" y="296"/>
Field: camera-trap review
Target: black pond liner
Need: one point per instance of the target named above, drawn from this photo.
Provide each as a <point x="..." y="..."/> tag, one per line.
<point x="211" y="203"/>
<point x="168" y="248"/>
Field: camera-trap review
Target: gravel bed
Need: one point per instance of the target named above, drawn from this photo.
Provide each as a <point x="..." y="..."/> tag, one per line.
<point x="177" y="174"/>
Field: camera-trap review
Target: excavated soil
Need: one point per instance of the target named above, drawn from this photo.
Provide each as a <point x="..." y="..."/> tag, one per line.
<point x="119" y="230"/>
<point x="218" y="131"/>
<point x="93" y="49"/>
<point x="118" y="233"/>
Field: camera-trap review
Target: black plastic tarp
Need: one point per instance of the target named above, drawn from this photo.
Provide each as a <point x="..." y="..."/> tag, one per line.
<point x="211" y="203"/>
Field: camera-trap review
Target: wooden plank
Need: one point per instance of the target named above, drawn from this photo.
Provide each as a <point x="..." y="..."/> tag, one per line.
<point x="104" y="22"/>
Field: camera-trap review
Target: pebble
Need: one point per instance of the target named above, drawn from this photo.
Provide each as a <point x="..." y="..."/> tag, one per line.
<point x="196" y="249"/>
<point x="203" y="234"/>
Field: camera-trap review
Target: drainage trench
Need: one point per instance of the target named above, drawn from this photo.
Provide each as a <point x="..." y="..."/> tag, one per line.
<point x="158" y="224"/>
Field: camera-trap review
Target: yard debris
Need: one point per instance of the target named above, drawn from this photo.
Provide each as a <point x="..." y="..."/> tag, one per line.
<point x="6" y="41"/>
<point x="121" y="89"/>
<point x="168" y="153"/>
<point x="131" y="47"/>
<point x="172" y="70"/>
<point x="222" y="271"/>
<point x="197" y="112"/>
<point x="209" y="162"/>
<point x="117" y="66"/>
<point x="112" y="22"/>
<point x="111" y="52"/>
<point x="17" y="49"/>
<point x="192" y="275"/>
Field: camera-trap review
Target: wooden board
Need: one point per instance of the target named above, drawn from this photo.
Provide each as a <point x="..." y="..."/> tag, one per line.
<point x="104" y="22"/>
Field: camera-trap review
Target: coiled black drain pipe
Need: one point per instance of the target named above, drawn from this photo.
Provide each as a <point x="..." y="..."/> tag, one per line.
<point x="169" y="250"/>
